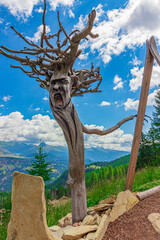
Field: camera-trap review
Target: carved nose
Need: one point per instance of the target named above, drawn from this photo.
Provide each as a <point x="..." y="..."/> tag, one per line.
<point x="56" y="87"/>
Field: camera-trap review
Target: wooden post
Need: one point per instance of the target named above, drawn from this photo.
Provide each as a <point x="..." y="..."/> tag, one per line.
<point x="140" y="117"/>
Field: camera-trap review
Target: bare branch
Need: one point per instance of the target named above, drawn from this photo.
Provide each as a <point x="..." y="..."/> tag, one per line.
<point x="105" y="132"/>
<point x="19" y="34"/>
<point x="44" y="25"/>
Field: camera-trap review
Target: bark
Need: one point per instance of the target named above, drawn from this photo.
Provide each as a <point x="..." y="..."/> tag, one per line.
<point x="69" y="121"/>
<point x="148" y="193"/>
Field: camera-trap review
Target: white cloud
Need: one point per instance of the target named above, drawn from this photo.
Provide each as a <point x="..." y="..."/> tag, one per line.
<point x="1" y="105"/>
<point x="45" y="98"/>
<point x="116" y="140"/>
<point x="118" y="82"/>
<point x="121" y="29"/>
<point x="6" y="98"/>
<point x="54" y="4"/>
<point x="20" y="8"/>
<point x="1" y="20"/>
<point x="99" y="12"/>
<point x="14" y="127"/>
<point x="132" y="104"/>
<point x="104" y="103"/>
<point x="71" y="14"/>
<point x="82" y="23"/>
<point x="83" y="56"/>
<point x="39" y="10"/>
<point x="135" y="61"/>
<point x="137" y="74"/>
<point x="37" y="109"/>
<point x="23" y="9"/>
<point x="38" y="34"/>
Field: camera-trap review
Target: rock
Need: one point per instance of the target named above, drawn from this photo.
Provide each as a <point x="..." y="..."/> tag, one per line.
<point x="154" y="218"/>
<point x="90" y="236"/>
<point x="68" y="219"/>
<point x="76" y="224"/>
<point x="102" y="228"/>
<point x="88" y="220"/>
<point x="78" y="232"/>
<point x="54" y="228"/>
<point x="108" y="212"/>
<point x="102" y="207"/>
<point x="60" y="232"/>
<point x="90" y="209"/>
<point x="125" y="201"/>
<point x="28" y="215"/>
<point x="112" y="200"/>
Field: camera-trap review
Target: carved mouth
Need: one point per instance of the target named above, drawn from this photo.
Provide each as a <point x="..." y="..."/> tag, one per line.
<point x="58" y="100"/>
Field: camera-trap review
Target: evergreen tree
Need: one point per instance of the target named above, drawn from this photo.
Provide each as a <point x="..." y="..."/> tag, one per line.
<point x="156" y="115"/>
<point x="116" y="172"/>
<point x="110" y="172"/>
<point x="93" y="179"/>
<point x="39" y="167"/>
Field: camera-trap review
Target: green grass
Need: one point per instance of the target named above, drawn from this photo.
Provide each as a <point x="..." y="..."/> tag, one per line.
<point x="144" y="179"/>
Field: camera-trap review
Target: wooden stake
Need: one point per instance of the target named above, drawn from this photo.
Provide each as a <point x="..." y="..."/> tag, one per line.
<point x="140" y="117"/>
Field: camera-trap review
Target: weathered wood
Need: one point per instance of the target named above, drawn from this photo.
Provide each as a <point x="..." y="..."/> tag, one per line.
<point x="69" y="122"/>
<point x="148" y="193"/>
<point x="140" y="118"/>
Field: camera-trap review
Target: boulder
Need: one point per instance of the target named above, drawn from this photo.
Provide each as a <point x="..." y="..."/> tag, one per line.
<point x="28" y="215"/>
<point x="88" y="220"/>
<point x="125" y="201"/>
<point x="154" y="218"/>
<point x="78" y="232"/>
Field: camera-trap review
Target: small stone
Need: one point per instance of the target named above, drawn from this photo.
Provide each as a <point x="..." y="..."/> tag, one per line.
<point x="76" y="224"/>
<point x="154" y="218"/>
<point x="102" y="207"/>
<point x="90" y="236"/>
<point x="78" y="232"/>
<point x="112" y="200"/>
<point x="90" y="209"/>
<point x="108" y="212"/>
<point x="88" y="220"/>
<point x="54" y="228"/>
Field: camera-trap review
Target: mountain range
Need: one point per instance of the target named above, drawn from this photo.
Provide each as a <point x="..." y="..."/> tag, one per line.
<point x="17" y="156"/>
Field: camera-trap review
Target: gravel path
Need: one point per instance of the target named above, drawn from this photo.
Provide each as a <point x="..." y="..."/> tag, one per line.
<point x="134" y="225"/>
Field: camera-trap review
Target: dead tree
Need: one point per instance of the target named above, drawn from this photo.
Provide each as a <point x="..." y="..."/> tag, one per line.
<point x="53" y="68"/>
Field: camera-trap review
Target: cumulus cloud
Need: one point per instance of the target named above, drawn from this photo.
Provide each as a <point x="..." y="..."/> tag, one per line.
<point x="23" y="9"/>
<point x="14" y="127"/>
<point x="6" y="98"/>
<point x="104" y="103"/>
<point x="135" y="61"/>
<point x="116" y="140"/>
<point x="37" y="109"/>
<point x="132" y="104"/>
<point x="20" y="8"/>
<point x="121" y="29"/>
<point x="54" y="4"/>
<point x="118" y="83"/>
<point x="137" y="74"/>
<point x="38" y="34"/>
<point x="39" y="10"/>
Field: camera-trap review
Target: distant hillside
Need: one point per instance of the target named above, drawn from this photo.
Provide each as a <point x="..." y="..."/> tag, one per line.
<point x="17" y="156"/>
<point x="61" y="180"/>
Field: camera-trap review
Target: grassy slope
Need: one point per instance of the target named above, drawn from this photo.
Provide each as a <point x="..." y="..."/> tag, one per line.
<point x="144" y="179"/>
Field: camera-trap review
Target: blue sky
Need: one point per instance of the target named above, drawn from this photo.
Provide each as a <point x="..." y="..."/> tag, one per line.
<point x="123" y="27"/>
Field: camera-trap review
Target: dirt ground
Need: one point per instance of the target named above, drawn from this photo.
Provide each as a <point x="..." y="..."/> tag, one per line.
<point x="134" y="225"/>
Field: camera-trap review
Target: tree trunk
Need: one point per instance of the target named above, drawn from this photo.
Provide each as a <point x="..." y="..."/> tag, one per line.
<point x="148" y="193"/>
<point x="69" y="121"/>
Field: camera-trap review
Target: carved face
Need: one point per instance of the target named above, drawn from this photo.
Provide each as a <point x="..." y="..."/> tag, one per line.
<point x="60" y="92"/>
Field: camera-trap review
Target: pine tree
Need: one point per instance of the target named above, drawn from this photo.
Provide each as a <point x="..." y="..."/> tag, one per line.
<point x="156" y="115"/>
<point x="39" y="167"/>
